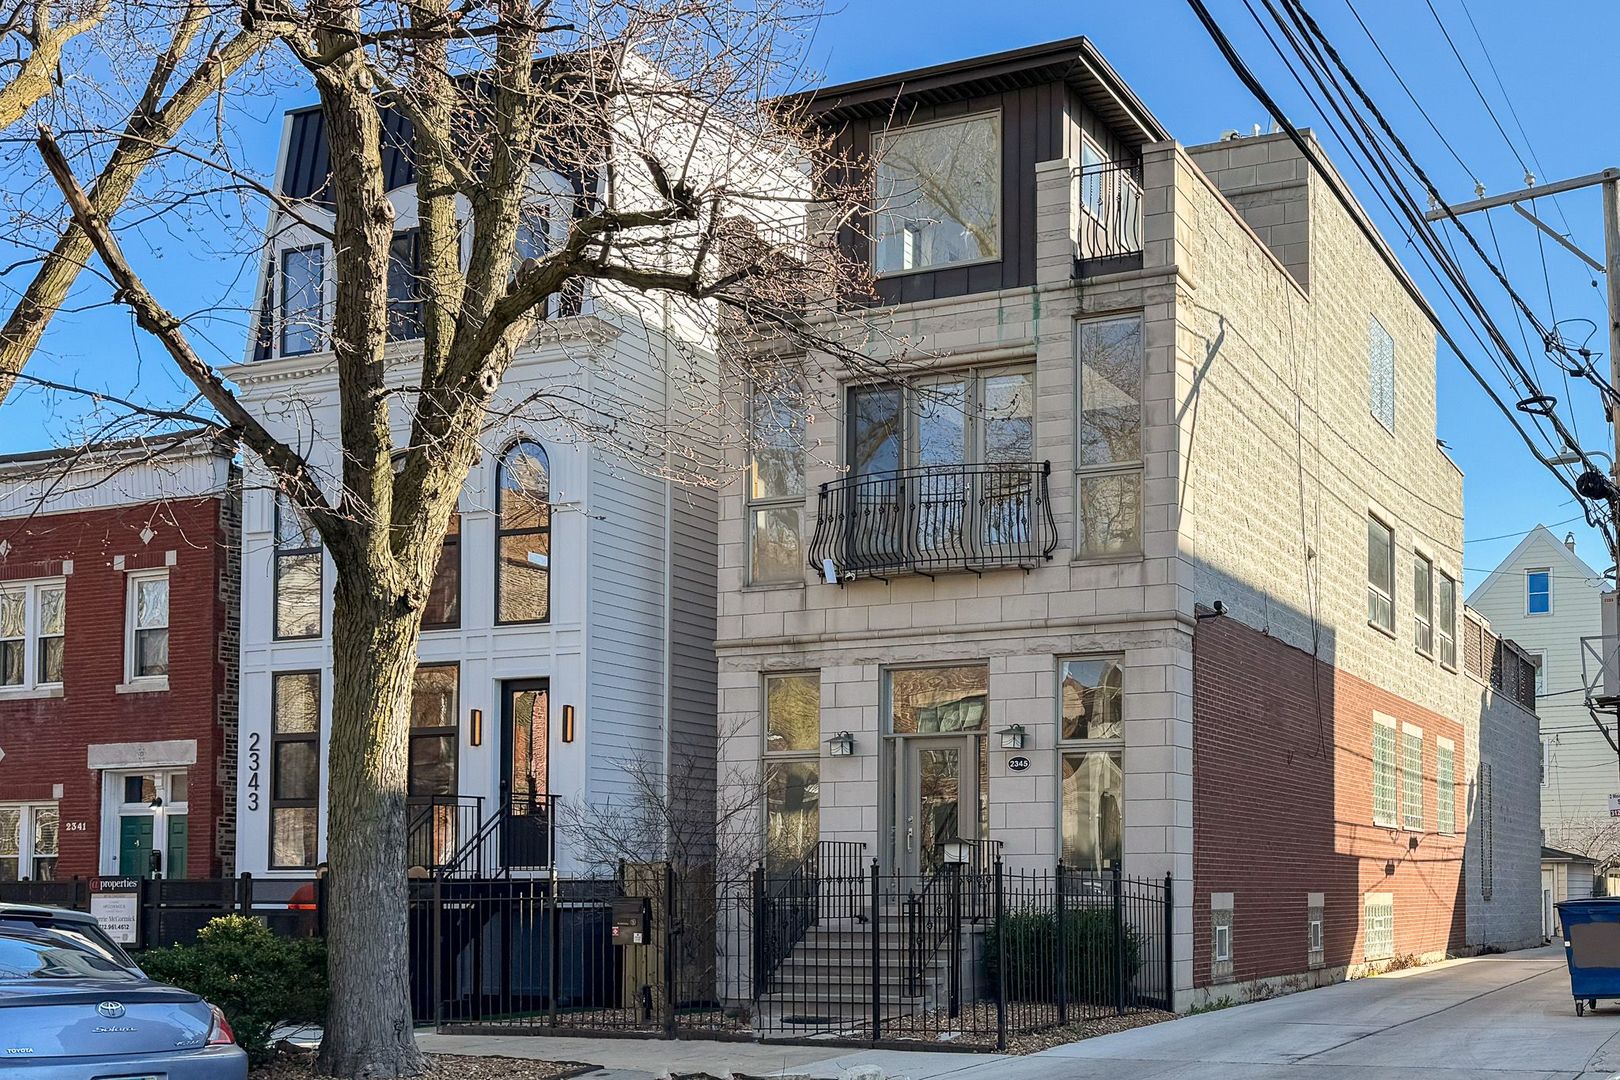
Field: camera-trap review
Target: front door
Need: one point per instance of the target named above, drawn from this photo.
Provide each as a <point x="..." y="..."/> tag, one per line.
<point x="937" y="799"/>
<point x="135" y="845"/>
<point x="525" y="778"/>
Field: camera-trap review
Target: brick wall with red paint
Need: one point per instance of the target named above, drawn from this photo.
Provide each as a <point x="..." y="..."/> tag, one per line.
<point x="46" y="740"/>
<point x="1282" y="807"/>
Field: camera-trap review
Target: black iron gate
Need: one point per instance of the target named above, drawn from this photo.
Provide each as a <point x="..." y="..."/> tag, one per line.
<point x="828" y="950"/>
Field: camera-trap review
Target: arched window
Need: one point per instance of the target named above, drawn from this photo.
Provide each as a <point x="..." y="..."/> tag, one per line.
<point x="523" y="535"/>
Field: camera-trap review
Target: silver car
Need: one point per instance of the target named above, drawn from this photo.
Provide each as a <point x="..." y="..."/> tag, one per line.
<point x="68" y="1012"/>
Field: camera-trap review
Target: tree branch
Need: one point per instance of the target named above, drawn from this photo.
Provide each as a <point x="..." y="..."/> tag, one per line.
<point x="287" y="464"/>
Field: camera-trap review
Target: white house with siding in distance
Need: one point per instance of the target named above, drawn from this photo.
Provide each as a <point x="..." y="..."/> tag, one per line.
<point x="1546" y="598"/>
<point x="570" y="631"/>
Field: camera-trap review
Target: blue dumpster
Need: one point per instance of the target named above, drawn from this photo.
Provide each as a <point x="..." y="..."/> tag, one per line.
<point x="1592" y="947"/>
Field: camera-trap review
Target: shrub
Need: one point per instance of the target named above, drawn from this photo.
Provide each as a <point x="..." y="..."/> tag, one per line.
<point x="258" y="979"/>
<point x="1031" y="943"/>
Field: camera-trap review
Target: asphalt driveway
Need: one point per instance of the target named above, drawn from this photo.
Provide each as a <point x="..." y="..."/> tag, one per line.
<point x="1506" y="1017"/>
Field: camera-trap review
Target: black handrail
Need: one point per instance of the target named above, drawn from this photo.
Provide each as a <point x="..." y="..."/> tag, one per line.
<point x="824" y="883"/>
<point x="437" y="828"/>
<point x="1109" y="221"/>
<point x="936" y="519"/>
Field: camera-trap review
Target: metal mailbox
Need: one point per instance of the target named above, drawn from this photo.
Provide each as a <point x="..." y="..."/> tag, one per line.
<point x="631" y="916"/>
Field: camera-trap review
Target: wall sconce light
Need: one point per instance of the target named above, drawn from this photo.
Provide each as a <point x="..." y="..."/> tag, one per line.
<point x="478" y="727"/>
<point x="1013" y="737"/>
<point x="841" y="745"/>
<point x="568" y="723"/>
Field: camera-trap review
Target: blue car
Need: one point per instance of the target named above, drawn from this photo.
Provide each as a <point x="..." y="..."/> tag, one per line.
<point x="72" y="1012"/>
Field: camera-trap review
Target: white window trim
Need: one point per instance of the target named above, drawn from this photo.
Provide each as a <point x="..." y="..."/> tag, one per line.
<point x="32" y="686"/>
<point x="1447" y="632"/>
<point x="1424" y="617"/>
<point x="25" y="848"/>
<point x="1403" y="786"/>
<point x="1380" y="720"/>
<point x="1222" y="949"/>
<point x="113" y="809"/>
<point x="1394" y="577"/>
<point x="1537" y="570"/>
<point x="136" y="684"/>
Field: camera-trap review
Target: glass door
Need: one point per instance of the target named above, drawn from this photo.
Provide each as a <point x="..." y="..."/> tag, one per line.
<point x="938" y="800"/>
<point x="525" y="750"/>
<point x="875" y="516"/>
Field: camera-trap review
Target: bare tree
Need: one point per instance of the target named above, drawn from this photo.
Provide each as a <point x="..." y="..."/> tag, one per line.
<point x="693" y="194"/>
<point x="198" y="50"/>
<point x="33" y="34"/>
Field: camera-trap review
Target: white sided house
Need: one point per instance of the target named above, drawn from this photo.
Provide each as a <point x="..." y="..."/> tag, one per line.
<point x="567" y="649"/>
<point x="1547" y="599"/>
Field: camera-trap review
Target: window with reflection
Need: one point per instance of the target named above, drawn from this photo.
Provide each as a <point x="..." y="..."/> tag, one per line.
<point x="776" y="419"/>
<point x="523" y="535"/>
<point x="295" y="769"/>
<point x="792" y="767"/>
<point x="432" y="769"/>
<point x="1091" y="744"/>
<point x="937" y="191"/>
<point x="939" y="700"/>
<point x="302" y="299"/>
<point x="1108" y="436"/>
<point x="297" y="611"/>
<point x="405" y="285"/>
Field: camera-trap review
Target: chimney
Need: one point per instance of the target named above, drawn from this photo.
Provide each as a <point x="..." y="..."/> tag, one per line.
<point x="1569" y="541"/>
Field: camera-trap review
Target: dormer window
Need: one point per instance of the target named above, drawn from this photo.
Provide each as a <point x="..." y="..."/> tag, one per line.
<point x="302" y="286"/>
<point x="405" y="285"/>
<point x="938" y="195"/>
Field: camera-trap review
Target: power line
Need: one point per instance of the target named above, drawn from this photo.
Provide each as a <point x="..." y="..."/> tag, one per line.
<point x="1477" y="91"/>
<point x="1525" y="532"/>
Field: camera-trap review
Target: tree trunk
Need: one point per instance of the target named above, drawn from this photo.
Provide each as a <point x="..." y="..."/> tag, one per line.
<point x="368" y="1025"/>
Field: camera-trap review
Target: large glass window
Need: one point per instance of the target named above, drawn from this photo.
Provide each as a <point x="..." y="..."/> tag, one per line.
<point x="1108" y="436"/>
<point x="523" y="536"/>
<point x="148" y="625"/>
<point x="776" y="418"/>
<point x="1423" y="604"/>
<point x="302" y="306"/>
<point x="1091" y="750"/>
<point x="792" y="767"/>
<point x="443" y="610"/>
<point x="432" y="768"/>
<point x="938" y="195"/>
<point x="295" y="769"/>
<point x="1380" y="575"/>
<point x="1537" y="592"/>
<point x="1445" y="627"/>
<point x="297" y="574"/>
<point x="33" y="625"/>
<point x="28" y="836"/>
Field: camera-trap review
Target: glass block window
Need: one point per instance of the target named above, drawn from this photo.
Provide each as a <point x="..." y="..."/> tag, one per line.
<point x="1378" y="917"/>
<point x="1383" y="793"/>
<point x="1381" y="373"/>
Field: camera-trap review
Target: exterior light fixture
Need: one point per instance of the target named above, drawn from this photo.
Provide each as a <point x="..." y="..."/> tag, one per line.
<point x="1014" y="737"/>
<point x="841" y="745"/>
<point x="568" y="723"/>
<point x="478" y="727"/>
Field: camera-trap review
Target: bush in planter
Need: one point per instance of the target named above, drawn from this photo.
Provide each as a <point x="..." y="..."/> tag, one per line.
<point x="258" y="979"/>
<point x="1024" y="948"/>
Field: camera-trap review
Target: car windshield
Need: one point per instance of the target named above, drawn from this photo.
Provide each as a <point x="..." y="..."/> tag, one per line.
<point x="43" y="956"/>
<point x="85" y="935"/>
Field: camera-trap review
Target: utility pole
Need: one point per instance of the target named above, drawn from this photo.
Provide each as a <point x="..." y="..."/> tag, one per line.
<point x="1609" y="183"/>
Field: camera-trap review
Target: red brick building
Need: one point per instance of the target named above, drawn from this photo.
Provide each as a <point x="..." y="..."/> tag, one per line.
<point x="1332" y="816"/>
<point x="118" y="656"/>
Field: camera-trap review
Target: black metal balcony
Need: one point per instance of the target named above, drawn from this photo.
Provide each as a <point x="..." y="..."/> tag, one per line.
<point x="1108" y="224"/>
<point x="934" y="520"/>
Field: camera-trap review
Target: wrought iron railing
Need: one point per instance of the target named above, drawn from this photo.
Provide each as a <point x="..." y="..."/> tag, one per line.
<point x="935" y="519"/>
<point x="1109" y="222"/>
<point x="450" y="836"/>
<point x="827" y="883"/>
<point x="437" y="829"/>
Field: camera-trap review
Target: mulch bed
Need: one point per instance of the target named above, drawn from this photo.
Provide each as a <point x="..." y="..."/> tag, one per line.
<point x="442" y="1067"/>
<point x="975" y="1027"/>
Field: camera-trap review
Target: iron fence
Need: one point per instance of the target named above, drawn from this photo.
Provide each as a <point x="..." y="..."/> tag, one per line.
<point x="1110" y="220"/>
<point x="818" y="952"/>
<point x="935" y="518"/>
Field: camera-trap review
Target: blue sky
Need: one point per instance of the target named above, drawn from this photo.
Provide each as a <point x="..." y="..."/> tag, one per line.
<point x="1553" y="66"/>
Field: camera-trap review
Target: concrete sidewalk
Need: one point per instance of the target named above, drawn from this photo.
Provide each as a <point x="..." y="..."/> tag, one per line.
<point x="648" y="1059"/>
<point x="1507" y="1017"/>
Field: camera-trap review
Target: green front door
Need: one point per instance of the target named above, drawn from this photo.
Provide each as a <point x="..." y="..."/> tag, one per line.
<point x="135" y="846"/>
<point x="175" y="858"/>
